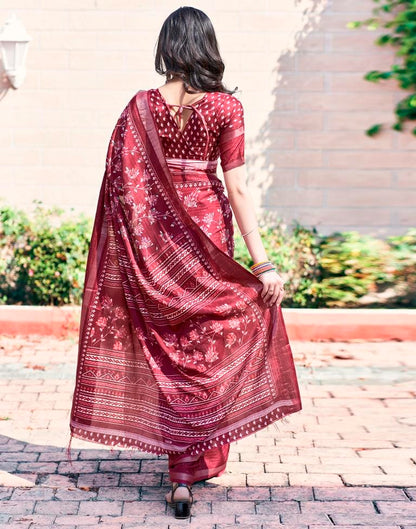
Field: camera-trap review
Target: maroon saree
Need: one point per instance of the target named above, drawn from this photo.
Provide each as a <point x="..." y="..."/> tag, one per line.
<point x="177" y="352"/>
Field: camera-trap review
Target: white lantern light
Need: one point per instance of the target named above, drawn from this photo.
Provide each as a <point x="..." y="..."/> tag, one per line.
<point x="14" y="41"/>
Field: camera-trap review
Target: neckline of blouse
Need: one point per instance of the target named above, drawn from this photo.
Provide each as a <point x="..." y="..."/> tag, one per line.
<point x="187" y="105"/>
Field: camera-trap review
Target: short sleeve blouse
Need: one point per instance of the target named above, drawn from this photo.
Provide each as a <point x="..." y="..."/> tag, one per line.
<point x="215" y="129"/>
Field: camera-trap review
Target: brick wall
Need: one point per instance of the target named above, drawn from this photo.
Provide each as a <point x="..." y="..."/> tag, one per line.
<point x="300" y="74"/>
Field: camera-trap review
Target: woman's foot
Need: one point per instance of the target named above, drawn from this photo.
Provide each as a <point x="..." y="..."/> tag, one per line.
<point x="181" y="498"/>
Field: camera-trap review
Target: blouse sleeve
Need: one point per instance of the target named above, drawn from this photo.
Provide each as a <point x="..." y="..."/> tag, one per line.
<point x="231" y="139"/>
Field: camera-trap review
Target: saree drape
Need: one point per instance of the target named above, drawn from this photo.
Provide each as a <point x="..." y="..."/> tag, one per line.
<point x="177" y="351"/>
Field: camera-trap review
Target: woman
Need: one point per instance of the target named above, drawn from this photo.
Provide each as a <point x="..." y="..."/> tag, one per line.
<point x="181" y="350"/>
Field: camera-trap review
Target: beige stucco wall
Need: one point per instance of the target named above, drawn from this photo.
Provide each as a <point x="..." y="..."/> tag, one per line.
<point x="300" y="74"/>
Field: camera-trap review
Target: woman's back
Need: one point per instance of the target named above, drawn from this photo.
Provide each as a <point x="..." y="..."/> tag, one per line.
<point x="211" y="127"/>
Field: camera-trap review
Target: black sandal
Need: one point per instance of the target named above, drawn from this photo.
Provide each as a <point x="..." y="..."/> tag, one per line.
<point x="182" y="507"/>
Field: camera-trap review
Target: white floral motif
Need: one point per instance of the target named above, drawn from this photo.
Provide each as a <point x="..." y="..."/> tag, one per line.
<point x="230" y="339"/>
<point x="217" y="327"/>
<point x="208" y="218"/>
<point x="223" y="308"/>
<point x="138" y="230"/>
<point x="190" y="200"/>
<point x="145" y="242"/>
<point x="234" y="323"/>
<point x="106" y="301"/>
<point x="212" y="354"/>
<point x="132" y="172"/>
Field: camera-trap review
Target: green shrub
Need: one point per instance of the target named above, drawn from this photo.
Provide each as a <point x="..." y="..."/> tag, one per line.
<point x="43" y="257"/>
<point x="341" y="269"/>
<point x="351" y="265"/>
<point x="402" y="268"/>
<point x="294" y="251"/>
<point x="398" y="19"/>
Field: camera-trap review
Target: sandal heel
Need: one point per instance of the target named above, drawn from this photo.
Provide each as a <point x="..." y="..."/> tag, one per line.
<point x="182" y="510"/>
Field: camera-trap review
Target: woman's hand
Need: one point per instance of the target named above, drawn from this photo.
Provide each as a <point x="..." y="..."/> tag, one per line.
<point x="273" y="291"/>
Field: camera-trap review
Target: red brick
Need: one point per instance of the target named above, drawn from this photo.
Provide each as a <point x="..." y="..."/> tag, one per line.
<point x="64" y="520"/>
<point x="43" y="467"/>
<point x="269" y="479"/>
<point x="16" y="507"/>
<point x="326" y="62"/>
<point x="246" y="493"/>
<point x="120" y="466"/>
<point x="397" y="508"/>
<point x="78" y="467"/>
<point x="292" y="197"/>
<point x="339" y="506"/>
<point x="98" y="480"/>
<point x="333" y="140"/>
<point x="276" y="508"/>
<point x="361" y="121"/>
<point x="355" y="82"/>
<point x="369" y="197"/>
<point x="35" y="493"/>
<point x="73" y="494"/>
<point x="56" y="507"/>
<point x="374" y="520"/>
<point x="155" y="465"/>
<point x="136" y="507"/>
<point x="345" y="217"/>
<point x="344" y="101"/>
<point x="316" y="479"/>
<point x="151" y="480"/>
<point x="100" y="508"/>
<point x="406" y="216"/>
<point x="344" y="178"/>
<point x="359" y="493"/>
<point x="99" y="454"/>
<point x="296" y="121"/>
<point x="392" y="480"/>
<point x="372" y="159"/>
<point x="311" y="519"/>
<point x="290" y="82"/>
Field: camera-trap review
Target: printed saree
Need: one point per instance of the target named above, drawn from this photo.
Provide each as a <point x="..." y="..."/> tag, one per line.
<point x="177" y="352"/>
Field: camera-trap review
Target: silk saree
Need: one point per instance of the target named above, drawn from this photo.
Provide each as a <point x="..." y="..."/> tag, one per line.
<point x="178" y="354"/>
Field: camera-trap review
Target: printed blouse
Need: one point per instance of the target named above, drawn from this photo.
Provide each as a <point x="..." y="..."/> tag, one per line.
<point x="214" y="129"/>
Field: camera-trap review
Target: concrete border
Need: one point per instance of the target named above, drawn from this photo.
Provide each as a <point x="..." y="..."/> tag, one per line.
<point x="301" y="324"/>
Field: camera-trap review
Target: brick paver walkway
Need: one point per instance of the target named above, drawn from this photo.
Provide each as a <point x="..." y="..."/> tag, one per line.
<point x="346" y="460"/>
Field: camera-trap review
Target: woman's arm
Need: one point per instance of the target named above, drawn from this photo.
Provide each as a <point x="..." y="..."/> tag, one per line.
<point x="244" y="212"/>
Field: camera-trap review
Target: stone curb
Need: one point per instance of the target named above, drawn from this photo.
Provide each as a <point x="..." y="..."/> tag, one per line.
<point x="301" y="324"/>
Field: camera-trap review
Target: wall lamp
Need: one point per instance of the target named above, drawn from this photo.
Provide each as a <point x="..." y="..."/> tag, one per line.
<point x="14" y="42"/>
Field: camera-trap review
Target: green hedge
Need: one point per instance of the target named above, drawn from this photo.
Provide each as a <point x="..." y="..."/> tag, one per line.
<point x="43" y="258"/>
<point x="345" y="269"/>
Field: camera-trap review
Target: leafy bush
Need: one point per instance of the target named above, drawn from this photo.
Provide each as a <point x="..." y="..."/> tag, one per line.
<point x="294" y="252"/>
<point x="351" y="265"/>
<point x="341" y="269"/>
<point x="398" y="17"/>
<point x="42" y="258"/>
<point x="402" y="268"/>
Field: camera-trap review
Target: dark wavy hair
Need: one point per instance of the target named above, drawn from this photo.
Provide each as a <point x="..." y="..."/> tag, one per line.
<point x="187" y="49"/>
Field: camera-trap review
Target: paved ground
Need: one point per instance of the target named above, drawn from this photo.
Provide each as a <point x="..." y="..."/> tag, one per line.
<point x="346" y="460"/>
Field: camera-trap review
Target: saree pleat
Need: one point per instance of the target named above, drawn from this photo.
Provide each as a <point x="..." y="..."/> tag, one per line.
<point x="178" y="354"/>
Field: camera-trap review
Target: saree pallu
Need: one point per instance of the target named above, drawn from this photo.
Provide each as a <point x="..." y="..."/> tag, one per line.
<point x="178" y="354"/>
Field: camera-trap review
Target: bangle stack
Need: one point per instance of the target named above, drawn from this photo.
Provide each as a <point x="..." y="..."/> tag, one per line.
<point x="262" y="267"/>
